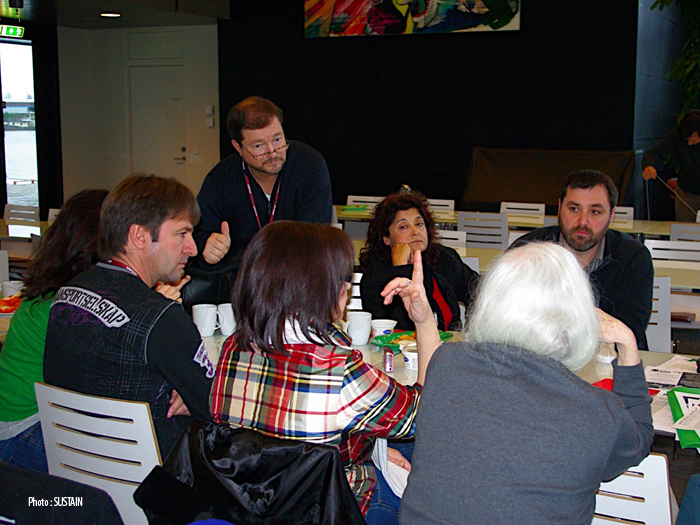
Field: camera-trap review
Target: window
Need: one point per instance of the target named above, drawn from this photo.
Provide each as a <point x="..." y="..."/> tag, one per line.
<point x="17" y="82"/>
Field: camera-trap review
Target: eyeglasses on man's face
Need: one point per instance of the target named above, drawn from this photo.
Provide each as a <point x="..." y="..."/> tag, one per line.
<point x="261" y="150"/>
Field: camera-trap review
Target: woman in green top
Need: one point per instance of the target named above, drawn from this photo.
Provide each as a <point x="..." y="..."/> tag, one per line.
<point x="68" y="248"/>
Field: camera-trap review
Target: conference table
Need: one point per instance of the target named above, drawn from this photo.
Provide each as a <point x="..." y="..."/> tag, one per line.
<point x="645" y="228"/>
<point x="684" y="276"/>
<point x="592" y="372"/>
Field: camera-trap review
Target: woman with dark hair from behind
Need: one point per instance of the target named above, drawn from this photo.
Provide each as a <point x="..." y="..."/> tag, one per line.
<point x="289" y="373"/>
<point x="68" y="248"/>
<point x="403" y="223"/>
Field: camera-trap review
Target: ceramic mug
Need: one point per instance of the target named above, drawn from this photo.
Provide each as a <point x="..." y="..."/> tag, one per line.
<point x="358" y="327"/>
<point x="11" y="288"/>
<point x="228" y="323"/>
<point x="207" y="318"/>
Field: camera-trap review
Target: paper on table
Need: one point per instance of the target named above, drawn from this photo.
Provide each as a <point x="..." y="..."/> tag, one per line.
<point x="661" y="414"/>
<point x="690" y="421"/>
<point x="680" y="363"/>
<point x="659" y="376"/>
<point x="683" y="401"/>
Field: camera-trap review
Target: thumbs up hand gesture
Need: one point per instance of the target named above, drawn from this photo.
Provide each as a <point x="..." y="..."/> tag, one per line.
<point x="217" y="245"/>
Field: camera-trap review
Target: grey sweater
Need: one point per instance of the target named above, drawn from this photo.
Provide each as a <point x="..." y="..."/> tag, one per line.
<point x="505" y="436"/>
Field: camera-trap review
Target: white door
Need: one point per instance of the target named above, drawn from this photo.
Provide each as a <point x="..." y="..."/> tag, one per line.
<point x="157" y="105"/>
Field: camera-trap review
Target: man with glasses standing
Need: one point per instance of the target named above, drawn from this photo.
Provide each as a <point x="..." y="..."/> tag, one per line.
<point x="268" y="178"/>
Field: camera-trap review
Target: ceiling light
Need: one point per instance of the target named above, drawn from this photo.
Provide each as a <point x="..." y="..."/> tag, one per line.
<point x="110" y="14"/>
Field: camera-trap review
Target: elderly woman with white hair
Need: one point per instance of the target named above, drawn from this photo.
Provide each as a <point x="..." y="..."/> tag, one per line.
<point x="506" y="432"/>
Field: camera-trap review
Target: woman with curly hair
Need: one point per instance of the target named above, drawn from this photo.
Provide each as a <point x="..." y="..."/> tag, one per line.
<point x="403" y="223"/>
<point x="67" y="248"/>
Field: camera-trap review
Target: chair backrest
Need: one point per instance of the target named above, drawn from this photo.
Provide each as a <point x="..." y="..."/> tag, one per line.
<point x="305" y="481"/>
<point x="624" y="217"/>
<point x="356" y="229"/>
<point x="526" y="212"/>
<point x="23" y="213"/>
<point x="364" y="199"/>
<point x="472" y="262"/>
<point x="106" y="443"/>
<point x="659" y="327"/>
<point x="514" y="235"/>
<point x="639" y="495"/>
<point x="484" y="230"/>
<point x="673" y="250"/>
<point x="442" y="204"/>
<point x="624" y="213"/>
<point x="454" y="239"/>
<point x="354" y="300"/>
<point x="685" y="232"/>
<point x="4" y="266"/>
<point x="22" y="228"/>
<point x="53" y="213"/>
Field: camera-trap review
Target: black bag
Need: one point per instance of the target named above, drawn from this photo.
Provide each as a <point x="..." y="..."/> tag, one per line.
<point x="245" y="477"/>
<point x="210" y="286"/>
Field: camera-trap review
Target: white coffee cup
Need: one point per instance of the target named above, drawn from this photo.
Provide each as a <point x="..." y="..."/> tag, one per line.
<point x="207" y="318"/>
<point x="11" y="288"/>
<point x="228" y="323"/>
<point x="382" y="326"/>
<point x="358" y="327"/>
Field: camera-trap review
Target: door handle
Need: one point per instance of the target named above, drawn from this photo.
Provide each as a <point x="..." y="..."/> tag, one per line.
<point x="180" y="158"/>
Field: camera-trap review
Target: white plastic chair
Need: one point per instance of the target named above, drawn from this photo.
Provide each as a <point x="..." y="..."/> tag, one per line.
<point x="442" y="205"/>
<point x="624" y="217"/>
<point x="23" y="228"/>
<point x="53" y="213"/>
<point x="514" y="235"/>
<point x="356" y="229"/>
<point x="659" y="327"/>
<point x="4" y="266"/>
<point x="624" y="213"/>
<point x="453" y="239"/>
<point x="355" y="302"/>
<point x="673" y="250"/>
<point x="106" y="443"/>
<point x="22" y="213"/>
<point x="640" y="495"/>
<point x="525" y="212"/>
<point x="685" y="232"/>
<point x="472" y="262"/>
<point x="368" y="200"/>
<point x="484" y="230"/>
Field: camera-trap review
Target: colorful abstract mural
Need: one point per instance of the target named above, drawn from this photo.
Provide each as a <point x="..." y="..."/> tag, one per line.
<point x="391" y="17"/>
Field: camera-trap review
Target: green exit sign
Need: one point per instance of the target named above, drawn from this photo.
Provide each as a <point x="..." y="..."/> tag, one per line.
<point x="13" y="31"/>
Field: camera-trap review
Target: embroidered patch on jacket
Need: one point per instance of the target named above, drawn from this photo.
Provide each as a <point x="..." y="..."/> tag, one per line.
<point x="105" y="310"/>
<point x="202" y="359"/>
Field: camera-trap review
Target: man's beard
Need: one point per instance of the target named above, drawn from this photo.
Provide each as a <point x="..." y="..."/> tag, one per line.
<point x="582" y="245"/>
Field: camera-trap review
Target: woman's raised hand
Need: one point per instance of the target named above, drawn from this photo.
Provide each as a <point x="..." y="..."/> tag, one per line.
<point x="412" y="292"/>
<point x="401" y="254"/>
